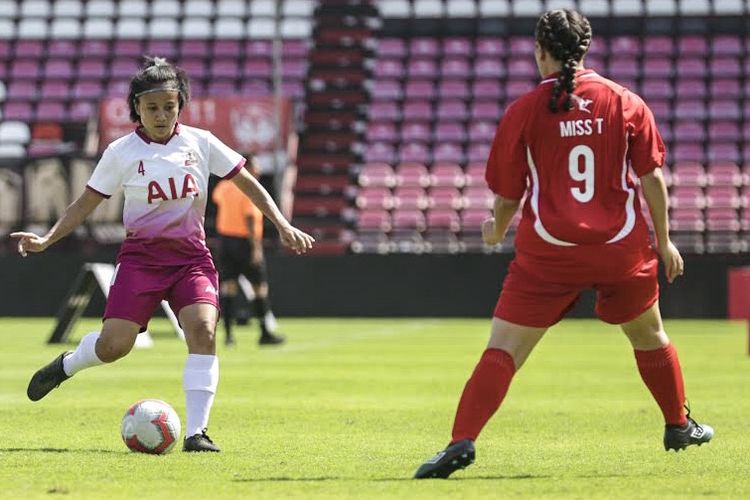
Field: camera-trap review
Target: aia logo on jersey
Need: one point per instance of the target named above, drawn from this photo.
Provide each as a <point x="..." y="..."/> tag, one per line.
<point x="189" y="187"/>
<point x="583" y="104"/>
<point x="141" y="170"/>
<point x="190" y="159"/>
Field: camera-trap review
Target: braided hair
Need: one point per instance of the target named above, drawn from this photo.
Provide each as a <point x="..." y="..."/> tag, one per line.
<point x="156" y="74"/>
<point x="566" y="35"/>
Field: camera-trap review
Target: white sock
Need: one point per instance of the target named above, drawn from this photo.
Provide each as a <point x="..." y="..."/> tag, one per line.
<point x="83" y="357"/>
<point x="200" y="381"/>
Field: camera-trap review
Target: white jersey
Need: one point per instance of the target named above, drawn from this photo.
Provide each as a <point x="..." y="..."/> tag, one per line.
<point x="165" y="187"/>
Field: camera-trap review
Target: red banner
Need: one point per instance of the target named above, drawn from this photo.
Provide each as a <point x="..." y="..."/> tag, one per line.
<point x="245" y="124"/>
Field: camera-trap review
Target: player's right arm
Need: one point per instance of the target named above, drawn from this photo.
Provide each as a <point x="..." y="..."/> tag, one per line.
<point x="646" y="152"/>
<point x="655" y="191"/>
<point x="73" y="217"/>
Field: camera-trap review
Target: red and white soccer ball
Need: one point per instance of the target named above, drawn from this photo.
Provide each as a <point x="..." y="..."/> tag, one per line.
<point x="151" y="426"/>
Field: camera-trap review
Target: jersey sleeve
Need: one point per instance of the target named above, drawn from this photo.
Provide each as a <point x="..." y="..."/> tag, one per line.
<point x="223" y="160"/>
<point x="507" y="167"/>
<point x="646" y="149"/>
<point x="108" y="174"/>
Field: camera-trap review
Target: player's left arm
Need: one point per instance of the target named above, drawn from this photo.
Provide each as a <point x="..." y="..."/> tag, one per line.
<point x="506" y="173"/>
<point x="297" y="240"/>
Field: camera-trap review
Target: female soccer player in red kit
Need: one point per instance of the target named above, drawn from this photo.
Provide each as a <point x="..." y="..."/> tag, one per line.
<point x="568" y="146"/>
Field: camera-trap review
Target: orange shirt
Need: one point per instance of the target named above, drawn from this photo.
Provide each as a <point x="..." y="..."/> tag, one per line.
<point x="232" y="211"/>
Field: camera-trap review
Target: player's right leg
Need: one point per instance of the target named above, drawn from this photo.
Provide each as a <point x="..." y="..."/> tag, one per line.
<point x="115" y="341"/>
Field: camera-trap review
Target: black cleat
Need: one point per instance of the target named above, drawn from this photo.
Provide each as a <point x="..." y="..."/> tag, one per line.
<point x="679" y="437"/>
<point x="47" y="378"/>
<point x="229" y="340"/>
<point x="199" y="442"/>
<point x="271" y="339"/>
<point x="456" y="456"/>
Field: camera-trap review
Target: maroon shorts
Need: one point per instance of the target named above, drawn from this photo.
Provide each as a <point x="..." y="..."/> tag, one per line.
<point x="137" y="290"/>
<point x="531" y="297"/>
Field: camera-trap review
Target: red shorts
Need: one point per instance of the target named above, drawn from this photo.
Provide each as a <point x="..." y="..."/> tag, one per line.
<point x="532" y="295"/>
<point x="137" y="290"/>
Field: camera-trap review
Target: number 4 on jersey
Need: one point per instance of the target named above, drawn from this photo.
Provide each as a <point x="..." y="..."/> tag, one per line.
<point x="141" y="170"/>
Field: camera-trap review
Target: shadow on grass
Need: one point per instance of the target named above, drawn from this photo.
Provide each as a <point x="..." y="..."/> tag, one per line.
<point x="56" y="450"/>
<point x="380" y="479"/>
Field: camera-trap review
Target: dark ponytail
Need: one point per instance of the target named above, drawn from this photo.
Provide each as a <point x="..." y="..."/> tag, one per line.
<point x="157" y="73"/>
<point x="566" y="35"/>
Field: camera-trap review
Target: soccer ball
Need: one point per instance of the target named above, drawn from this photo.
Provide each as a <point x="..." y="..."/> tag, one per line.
<point x="150" y="426"/>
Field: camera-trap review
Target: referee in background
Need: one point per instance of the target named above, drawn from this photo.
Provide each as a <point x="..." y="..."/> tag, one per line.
<point x="239" y="225"/>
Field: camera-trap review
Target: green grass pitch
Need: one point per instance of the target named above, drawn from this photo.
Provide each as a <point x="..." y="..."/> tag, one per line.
<point x="349" y="409"/>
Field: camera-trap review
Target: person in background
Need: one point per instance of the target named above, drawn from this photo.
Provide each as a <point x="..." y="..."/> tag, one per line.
<point x="239" y="225"/>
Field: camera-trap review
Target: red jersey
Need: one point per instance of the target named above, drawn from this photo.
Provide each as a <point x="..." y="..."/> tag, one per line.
<point x="575" y="164"/>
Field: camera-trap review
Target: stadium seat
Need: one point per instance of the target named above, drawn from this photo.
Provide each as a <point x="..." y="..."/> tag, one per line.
<point x="131" y="27"/>
<point x="448" y="152"/>
<point x="686" y="220"/>
<point x="412" y="173"/>
<point x="722" y="197"/>
<point x="261" y="28"/>
<point x="228" y="28"/>
<point x="594" y="8"/>
<point x="377" y="174"/>
<point x="14" y="132"/>
<point x="379" y="152"/>
<point x="55" y="90"/>
<point x="381" y="132"/>
<point x="166" y="8"/>
<point x="724" y="174"/>
<point x="12" y="151"/>
<point x="374" y="197"/>
<point x="478" y="197"/>
<point x="446" y="174"/>
<point x="65" y="28"/>
<point x="729" y="7"/>
<point x="445" y="198"/>
<point x="687" y="197"/>
<point x="417" y="131"/>
<point x="691" y="174"/>
<point x="627" y="7"/>
<point x="413" y="152"/>
<point x="200" y="8"/>
<point x="428" y="8"/>
<point x="410" y="197"/>
<point x="163" y="28"/>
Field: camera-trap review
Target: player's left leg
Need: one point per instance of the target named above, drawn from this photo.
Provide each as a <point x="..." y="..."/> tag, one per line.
<point x="256" y="274"/>
<point x="265" y="317"/>
<point x="526" y="308"/>
<point x="201" y="375"/>
<point x="228" y="294"/>
<point x="509" y="346"/>
<point x="195" y="299"/>
<point x="660" y="370"/>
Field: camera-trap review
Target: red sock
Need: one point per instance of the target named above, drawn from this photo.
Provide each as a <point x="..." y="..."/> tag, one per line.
<point x="660" y="370"/>
<point x="483" y="393"/>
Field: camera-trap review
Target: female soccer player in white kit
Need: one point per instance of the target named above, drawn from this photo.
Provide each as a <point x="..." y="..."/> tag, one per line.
<point x="163" y="167"/>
